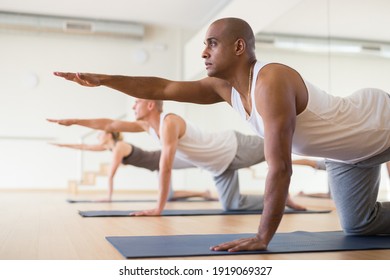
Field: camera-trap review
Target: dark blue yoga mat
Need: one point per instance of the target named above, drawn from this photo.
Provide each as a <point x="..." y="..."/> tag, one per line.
<point x="198" y="245"/>
<point x="190" y="212"/>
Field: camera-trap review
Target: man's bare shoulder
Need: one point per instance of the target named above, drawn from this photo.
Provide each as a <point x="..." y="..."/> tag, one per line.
<point x="172" y="119"/>
<point x="174" y="125"/>
<point x="277" y="71"/>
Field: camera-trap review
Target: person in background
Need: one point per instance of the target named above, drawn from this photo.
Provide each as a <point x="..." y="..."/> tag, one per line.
<point x="129" y="154"/>
<point x="221" y="153"/>
<point x="318" y="164"/>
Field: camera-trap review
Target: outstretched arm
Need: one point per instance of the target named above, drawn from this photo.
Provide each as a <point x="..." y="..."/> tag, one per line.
<point x="170" y="134"/>
<point x="205" y="91"/>
<point x="104" y="124"/>
<point x="120" y="151"/>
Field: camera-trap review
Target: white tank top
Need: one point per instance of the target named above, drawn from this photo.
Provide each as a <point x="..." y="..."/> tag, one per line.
<point x="211" y="151"/>
<point x="348" y="129"/>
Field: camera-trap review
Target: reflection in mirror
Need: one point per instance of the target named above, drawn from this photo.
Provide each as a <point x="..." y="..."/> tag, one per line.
<point x="339" y="45"/>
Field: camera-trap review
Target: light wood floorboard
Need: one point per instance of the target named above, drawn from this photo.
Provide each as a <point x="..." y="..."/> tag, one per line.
<point x="41" y="225"/>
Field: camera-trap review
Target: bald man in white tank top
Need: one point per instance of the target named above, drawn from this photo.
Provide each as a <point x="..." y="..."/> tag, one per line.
<point x="293" y="116"/>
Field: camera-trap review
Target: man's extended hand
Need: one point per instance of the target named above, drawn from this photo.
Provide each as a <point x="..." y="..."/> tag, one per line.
<point x="243" y="244"/>
<point x="151" y="212"/>
<point x="65" y="122"/>
<point x="57" y="144"/>
<point x="84" y="79"/>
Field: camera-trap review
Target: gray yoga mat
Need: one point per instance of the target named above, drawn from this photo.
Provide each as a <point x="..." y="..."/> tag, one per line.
<point x="136" y="200"/>
<point x="190" y="212"/>
<point x="112" y="201"/>
<point x="198" y="245"/>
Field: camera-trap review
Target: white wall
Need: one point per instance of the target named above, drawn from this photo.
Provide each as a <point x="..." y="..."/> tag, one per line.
<point x="32" y="163"/>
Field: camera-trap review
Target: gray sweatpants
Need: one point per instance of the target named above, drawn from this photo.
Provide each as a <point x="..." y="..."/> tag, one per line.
<point x="151" y="159"/>
<point x="354" y="189"/>
<point x="250" y="151"/>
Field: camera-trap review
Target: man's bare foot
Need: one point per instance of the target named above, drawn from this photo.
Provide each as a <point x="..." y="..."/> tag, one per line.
<point x="291" y="204"/>
<point x="208" y="196"/>
<point x="315" y="195"/>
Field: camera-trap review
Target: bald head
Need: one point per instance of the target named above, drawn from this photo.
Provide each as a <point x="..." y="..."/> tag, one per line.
<point x="236" y="28"/>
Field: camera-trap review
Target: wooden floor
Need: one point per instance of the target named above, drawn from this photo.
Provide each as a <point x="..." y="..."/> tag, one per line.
<point x="41" y="225"/>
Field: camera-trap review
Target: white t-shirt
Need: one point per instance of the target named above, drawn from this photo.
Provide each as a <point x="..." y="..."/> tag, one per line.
<point x="348" y="129"/>
<point x="211" y="151"/>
